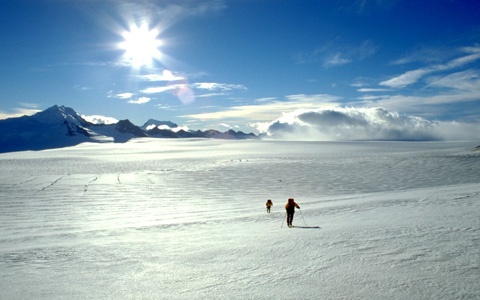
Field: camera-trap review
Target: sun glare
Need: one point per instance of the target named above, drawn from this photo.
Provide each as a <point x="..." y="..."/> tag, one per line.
<point x="141" y="45"/>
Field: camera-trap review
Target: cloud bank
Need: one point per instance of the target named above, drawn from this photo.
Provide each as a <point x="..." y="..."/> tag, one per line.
<point x="345" y="124"/>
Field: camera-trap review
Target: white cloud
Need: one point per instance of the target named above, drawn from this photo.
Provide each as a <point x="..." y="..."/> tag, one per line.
<point x="222" y="88"/>
<point x="339" y="124"/>
<point x="472" y="49"/>
<point x="211" y="95"/>
<point x="266" y="99"/>
<point x="315" y="98"/>
<point x="177" y="129"/>
<point x="96" y="119"/>
<point x="161" y="127"/>
<point x="169" y="13"/>
<point x="30" y="105"/>
<point x="268" y="111"/>
<point x="161" y="89"/>
<point x="367" y="98"/>
<point x="166" y="75"/>
<point x="418" y="103"/>
<point x="190" y="9"/>
<point x="166" y="127"/>
<point x="407" y="78"/>
<point x="18" y="112"/>
<point x="186" y="95"/>
<point x="164" y="107"/>
<point x="124" y="95"/>
<point x="468" y="80"/>
<point x="444" y="84"/>
<point x="369" y="90"/>
<point x="151" y="126"/>
<point x="335" y="60"/>
<point x="463" y="86"/>
<point x="335" y="54"/>
<point x="427" y="55"/>
<point x="229" y="126"/>
<point x="413" y="76"/>
<point x="213" y="86"/>
<point x="140" y="100"/>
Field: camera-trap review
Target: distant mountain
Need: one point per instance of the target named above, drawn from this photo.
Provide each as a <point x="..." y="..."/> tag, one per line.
<point x="125" y="126"/>
<point x="60" y="126"/>
<point x="230" y="135"/>
<point x="52" y="128"/>
<point x="212" y="134"/>
<point x="151" y="123"/>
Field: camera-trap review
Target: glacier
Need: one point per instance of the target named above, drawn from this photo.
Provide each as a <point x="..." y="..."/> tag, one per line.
<point x="186" y="219"/>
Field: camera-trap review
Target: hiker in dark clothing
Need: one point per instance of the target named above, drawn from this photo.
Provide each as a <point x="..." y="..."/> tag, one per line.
<point x="290" y="207"/>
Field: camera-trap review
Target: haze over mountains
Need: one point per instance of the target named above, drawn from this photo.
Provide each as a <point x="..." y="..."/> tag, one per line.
<point x="60" y="126"/>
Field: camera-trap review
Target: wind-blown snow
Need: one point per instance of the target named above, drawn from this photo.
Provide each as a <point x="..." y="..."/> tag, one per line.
<point x="185" y="219"/>
<point x="351" y="123"/>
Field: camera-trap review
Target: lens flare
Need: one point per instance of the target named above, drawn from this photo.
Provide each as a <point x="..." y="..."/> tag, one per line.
<point x="179" y="87"/>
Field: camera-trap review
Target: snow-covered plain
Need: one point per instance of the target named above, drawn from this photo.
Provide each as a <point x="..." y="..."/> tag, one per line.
<point x="186" y="219"/>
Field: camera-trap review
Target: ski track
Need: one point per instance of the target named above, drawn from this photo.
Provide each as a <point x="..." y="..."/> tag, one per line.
<point x="51" y="184"/>
<point x="193" y="225"/>
<point x="85" y="188"/>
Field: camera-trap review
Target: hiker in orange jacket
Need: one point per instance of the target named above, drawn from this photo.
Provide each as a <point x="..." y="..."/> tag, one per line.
<point x="290" y="207"/>
<point x="269" y="204"/>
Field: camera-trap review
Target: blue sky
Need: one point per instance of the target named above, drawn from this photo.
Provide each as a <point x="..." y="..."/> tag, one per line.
<point x="241" y="63"/>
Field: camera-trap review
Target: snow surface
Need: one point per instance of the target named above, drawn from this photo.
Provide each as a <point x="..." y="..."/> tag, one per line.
<point x="186" y="219"/>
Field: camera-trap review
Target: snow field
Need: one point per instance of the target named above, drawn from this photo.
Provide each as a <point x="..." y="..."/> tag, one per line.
<point x="185" y="219"/>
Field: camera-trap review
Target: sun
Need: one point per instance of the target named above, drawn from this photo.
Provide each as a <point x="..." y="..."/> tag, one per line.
<point x="141" y="45"/>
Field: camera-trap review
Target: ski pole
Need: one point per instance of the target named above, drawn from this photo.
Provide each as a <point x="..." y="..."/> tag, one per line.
<point x="303" y="217"/>
<point x="284" y="217"/>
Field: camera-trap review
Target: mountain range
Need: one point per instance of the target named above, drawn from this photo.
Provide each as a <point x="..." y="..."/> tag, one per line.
<point x="60" y="126"/>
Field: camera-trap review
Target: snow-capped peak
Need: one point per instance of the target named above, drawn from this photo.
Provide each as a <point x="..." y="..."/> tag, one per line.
<point x="58" y="115"/>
